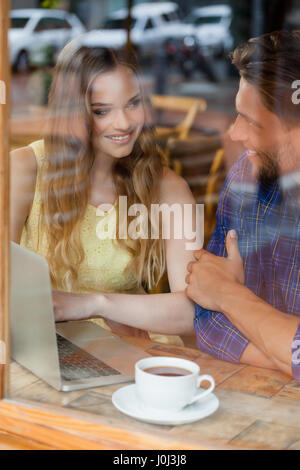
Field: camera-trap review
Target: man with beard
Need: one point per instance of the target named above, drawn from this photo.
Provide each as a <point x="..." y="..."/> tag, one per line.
<point x="246" y="285"/>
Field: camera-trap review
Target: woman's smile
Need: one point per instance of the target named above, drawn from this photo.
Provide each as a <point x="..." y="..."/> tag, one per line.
<point x="120" y="139"/>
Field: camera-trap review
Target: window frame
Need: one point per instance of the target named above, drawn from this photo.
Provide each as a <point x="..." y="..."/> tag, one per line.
<point x="26" y="424"/>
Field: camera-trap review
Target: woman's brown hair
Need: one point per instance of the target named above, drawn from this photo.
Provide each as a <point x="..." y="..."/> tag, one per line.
<point x="70" y="157"/>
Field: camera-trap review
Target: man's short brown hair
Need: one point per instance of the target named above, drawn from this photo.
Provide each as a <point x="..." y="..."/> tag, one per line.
<point x="271" y="63"/>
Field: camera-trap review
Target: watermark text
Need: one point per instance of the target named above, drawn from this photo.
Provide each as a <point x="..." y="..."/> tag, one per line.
<point x="2" y="92"/>
<point x="296" y="352"/>
<point x="175" y="221"/>
<point x="296" y="94"/>
<point x="2" y="352"/>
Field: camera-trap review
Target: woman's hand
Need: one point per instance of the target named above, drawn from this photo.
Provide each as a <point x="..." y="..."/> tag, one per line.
<point x="69" y="306"/>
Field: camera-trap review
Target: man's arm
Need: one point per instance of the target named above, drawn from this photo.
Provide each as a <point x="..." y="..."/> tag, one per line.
<point x="212" y="282"/>
<point x="215" y="334"/>
<point x="270" y="330"/>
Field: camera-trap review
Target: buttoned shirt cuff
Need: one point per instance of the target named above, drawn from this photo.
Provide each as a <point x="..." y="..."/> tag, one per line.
<point x="296" y="355"/>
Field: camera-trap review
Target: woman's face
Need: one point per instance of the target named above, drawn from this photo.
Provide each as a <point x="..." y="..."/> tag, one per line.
<point x="118" y="113"/>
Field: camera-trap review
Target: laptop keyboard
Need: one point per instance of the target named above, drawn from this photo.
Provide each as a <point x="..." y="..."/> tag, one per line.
<point x="77" y="364"/>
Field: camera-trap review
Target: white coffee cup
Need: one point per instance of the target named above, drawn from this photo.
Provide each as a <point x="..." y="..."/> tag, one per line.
<point x="164" y="393"/>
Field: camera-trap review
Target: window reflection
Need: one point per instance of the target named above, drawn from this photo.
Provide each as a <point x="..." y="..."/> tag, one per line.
<point x="55" y="212"/>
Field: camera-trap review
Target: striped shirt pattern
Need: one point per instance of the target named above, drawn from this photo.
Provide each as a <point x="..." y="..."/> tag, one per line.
<point x="267" y="221"/>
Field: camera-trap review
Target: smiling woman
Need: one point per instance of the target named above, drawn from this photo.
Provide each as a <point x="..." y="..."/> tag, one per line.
<point x="104" y="164"/>
<point x="99" y="147"/>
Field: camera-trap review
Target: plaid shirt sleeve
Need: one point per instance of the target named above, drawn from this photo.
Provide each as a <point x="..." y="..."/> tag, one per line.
<point x="296" y="355"/>
<point x="216" y="335"/>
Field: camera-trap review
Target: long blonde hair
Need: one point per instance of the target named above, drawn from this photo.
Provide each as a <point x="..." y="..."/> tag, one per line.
<point x="69" y="158"/>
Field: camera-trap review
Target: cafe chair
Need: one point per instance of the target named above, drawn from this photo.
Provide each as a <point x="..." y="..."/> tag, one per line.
<point x="215" y="182"/>
<point x="184" y="136"/>
<point x="201" y="163"/>
<point x="187" y="105"/>
<point x="216" y="179"/>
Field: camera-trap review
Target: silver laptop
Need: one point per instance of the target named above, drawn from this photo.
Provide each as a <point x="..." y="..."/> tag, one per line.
<point x="69" y="355"/>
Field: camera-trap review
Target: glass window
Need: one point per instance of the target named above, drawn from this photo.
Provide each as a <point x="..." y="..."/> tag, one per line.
<point x="60" y="23"/>
<point x="120" y="23"/>
<point x="149" y="24"/>
<point x="19" y="23"/>
<point x="201" y="20"/>
<point x="52" y="23"/>
<point x="172" y="16"/>
<point x="166" y="17"/>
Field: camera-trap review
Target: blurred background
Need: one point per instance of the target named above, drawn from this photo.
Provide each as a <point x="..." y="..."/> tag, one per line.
<point x="182" y="47"/>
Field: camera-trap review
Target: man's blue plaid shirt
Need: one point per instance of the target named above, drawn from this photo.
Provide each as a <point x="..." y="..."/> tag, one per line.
<point x="267" y="220"/>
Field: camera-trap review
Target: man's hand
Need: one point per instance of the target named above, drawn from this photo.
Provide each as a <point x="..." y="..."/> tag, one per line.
<point x="211" y="275"/>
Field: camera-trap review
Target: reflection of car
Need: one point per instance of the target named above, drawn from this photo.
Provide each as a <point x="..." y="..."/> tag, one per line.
<point x="152" y="24"/>
<point x="38" y="27"/>
<point x="212" y="28"/>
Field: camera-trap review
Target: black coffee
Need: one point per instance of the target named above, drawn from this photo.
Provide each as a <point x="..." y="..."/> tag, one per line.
<point x="168" y="371"/>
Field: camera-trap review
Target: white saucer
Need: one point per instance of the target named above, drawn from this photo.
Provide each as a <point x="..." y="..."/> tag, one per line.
<point x="127" y="401"/>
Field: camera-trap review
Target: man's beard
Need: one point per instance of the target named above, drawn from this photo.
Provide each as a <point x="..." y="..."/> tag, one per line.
<point x="268" y="170"/>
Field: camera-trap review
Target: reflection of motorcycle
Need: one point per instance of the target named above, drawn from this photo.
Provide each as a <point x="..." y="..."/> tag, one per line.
<point x="171" y="48"/>
<point x="188" y="55"/>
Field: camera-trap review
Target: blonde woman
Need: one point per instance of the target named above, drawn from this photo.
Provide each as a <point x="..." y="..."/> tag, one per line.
<point x="97" y="148"/>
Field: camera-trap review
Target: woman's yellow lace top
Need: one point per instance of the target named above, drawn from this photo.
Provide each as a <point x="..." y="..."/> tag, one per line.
<point x="102" y="270"/>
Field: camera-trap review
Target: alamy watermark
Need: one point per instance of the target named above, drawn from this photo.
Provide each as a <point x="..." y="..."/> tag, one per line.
<point x="178" y="221"/>
<point x="2" y="92"/>
<point x="296" y="352"/>
<point x="296" y="94"/>
<point x="2" y="352"/>
<point x="2" y="101"/>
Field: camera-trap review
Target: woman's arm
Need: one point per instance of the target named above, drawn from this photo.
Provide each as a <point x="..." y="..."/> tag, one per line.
<point x="169" y="313"/>
<point x="23" y="169"/>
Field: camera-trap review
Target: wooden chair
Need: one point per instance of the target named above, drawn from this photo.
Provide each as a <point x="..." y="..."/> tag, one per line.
<point x="27" y="128"/>
<point x="168" y="134"/>
<point x="201" y="161"/>
<point x="190" y="106"/>
<point x="206" y="162"/>
<point x="216" y="178"/>
<point x="211" y="199"/>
